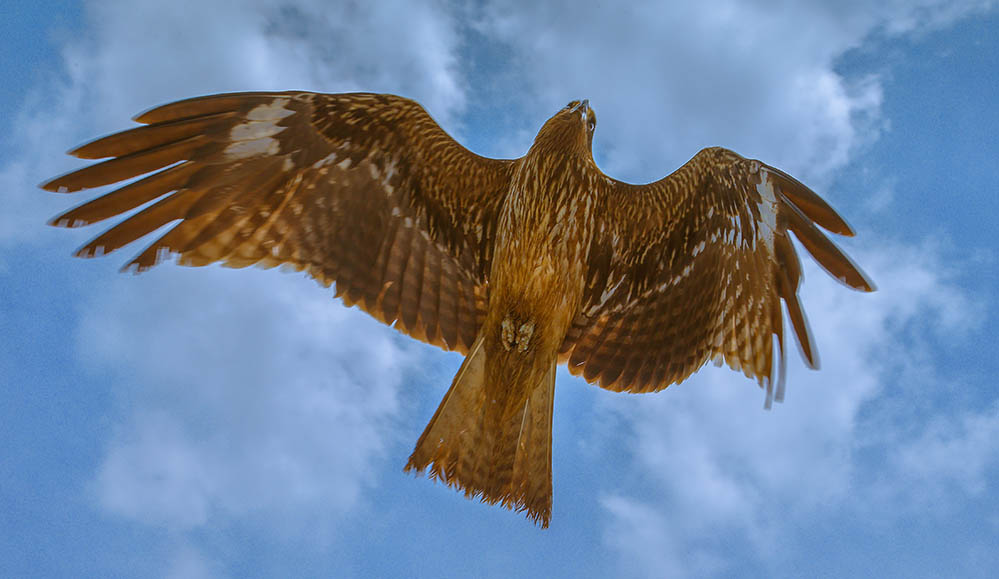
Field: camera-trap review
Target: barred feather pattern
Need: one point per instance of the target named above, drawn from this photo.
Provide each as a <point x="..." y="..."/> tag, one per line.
<point x="365" y="191"/>
<point x="702" y="277"/>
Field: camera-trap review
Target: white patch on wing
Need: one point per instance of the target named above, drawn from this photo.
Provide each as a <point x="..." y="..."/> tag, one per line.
<point x="768" y="211"/>
<point x="387" y="175"/>
<point x="270" y="112"/>
<point x="255" y="136"/>
<point x="254" y="130"/>
<point x="254" y="148"/>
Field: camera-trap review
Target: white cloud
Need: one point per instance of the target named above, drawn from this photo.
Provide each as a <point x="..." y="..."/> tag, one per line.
<point x="717" y="463"/>
<point x="188" y="563"/>
<point x="143" y="53"/>
<point x="951" y="452"/>
<point x="650" y="546"/>
<point x="251" y="395"/>
<point x="666" y="80"/>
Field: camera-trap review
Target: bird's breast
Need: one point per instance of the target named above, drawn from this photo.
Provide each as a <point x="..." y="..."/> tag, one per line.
<point x="542" y="238"/>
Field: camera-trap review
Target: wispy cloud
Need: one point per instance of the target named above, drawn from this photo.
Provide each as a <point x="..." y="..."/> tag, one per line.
<point x="188" y="563"/>
<point x="951" y="454"/>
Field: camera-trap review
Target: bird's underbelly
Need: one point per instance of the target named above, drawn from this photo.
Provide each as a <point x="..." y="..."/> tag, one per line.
<point x="535" y="290"/>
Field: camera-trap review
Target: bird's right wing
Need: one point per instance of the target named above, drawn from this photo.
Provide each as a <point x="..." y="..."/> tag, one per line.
<point x="362" y="190"/>
<point x="693" y="268"/>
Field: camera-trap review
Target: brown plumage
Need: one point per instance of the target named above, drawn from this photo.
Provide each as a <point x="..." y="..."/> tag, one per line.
<point x="519" y="264"/>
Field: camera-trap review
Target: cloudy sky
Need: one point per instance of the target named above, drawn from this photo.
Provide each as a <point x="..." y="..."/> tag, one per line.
<point x="239" y="423"/>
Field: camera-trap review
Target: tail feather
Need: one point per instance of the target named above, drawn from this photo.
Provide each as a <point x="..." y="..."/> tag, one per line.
<point x="532" y="469"/>
<point x="491" y="435"/>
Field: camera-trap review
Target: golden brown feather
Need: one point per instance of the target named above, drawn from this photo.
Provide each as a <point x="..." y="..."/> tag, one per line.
<point x="520" y="264"/>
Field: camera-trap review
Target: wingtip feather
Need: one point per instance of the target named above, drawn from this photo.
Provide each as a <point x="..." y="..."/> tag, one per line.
<point x="788" y="280"/>
<point x="809" y="203"/>
<point x="59" y="184"/>
<point x="826" y="253"/>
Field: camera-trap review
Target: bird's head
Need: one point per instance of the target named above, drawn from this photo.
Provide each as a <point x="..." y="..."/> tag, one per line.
<point x="570" y="129"/>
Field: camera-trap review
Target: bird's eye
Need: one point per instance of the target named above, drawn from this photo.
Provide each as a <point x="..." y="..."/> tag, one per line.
<point x="592" y="124"/>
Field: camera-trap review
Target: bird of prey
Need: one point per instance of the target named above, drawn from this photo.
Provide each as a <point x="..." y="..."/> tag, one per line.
<point x="519" y="264"/>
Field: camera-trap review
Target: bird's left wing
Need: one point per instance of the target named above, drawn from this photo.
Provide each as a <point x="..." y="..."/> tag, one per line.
<point x="693" y="268"/>
<point x="362" y="190"/>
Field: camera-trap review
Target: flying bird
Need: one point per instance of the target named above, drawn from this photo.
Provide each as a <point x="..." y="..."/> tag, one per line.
<point x="519" y="264"/>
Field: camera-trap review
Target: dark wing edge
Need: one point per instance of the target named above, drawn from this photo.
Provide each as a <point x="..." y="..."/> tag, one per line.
<point x="694" y="268"/>
<point x="362" y="190"/>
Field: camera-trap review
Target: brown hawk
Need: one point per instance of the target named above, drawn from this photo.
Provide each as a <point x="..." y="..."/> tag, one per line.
<point x="519" y="264"/>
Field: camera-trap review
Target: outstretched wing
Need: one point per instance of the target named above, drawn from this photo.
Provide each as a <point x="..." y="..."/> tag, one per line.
<point x="693" y="268"/>
<point x="362" y="190"/>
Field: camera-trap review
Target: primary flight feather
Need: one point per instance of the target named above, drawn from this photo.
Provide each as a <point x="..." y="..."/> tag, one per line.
<point x="519" y="264"/>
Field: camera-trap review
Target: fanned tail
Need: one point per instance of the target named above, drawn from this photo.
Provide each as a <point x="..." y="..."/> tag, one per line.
<point x="491" y="435"/>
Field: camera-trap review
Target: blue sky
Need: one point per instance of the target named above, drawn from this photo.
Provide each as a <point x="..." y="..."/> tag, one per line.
<point x="237" y="423"/>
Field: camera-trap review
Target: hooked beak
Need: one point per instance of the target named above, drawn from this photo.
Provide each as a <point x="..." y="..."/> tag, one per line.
<point x="583" y="106"/>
